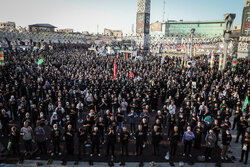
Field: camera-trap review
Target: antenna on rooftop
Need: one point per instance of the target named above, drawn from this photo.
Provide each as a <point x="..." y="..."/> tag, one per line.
<point x="163" y="16"/>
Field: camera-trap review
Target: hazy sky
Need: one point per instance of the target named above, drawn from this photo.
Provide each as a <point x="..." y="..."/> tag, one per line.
<point x="84" y="15"/>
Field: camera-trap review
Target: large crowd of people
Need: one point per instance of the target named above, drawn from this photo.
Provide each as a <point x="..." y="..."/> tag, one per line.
<point x="74" y="94"/>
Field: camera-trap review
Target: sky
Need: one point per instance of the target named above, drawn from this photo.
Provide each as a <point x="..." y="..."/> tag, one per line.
<point x="85" y="15"/>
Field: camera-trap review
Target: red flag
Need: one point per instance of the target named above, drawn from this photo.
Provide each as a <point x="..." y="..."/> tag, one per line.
<point x="115" y="70"/>
<point x="126" y="56"/>
<point x="131" y="75"/>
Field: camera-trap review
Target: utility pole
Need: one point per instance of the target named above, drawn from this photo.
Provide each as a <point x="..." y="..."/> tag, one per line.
<point x="97" y="29"/>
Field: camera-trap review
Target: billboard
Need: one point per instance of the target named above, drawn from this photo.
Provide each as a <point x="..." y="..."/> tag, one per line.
<point x="245" y="28"/>
<point x="142" y="23"/>
<point x="155" y="27"/>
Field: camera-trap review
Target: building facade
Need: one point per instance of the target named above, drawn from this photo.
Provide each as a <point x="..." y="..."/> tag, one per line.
<point x="41" y="28"/>
<point x="203" y="29"/>
<point x="115" y="33"/>
<point x="7" y="25"/>
<point x="66" y="30"/>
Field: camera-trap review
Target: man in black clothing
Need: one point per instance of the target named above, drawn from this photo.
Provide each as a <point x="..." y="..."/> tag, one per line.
<point x="100" y="125"/>
<point x="69" y="139"/>
<point x="171" y="123"/>
<point x="156" y="138"/>
<point x="139" y="140"/>
<point x="216" y="129"/>
<point x="198" y="131"/>
<point x="174" y="138"/>
<point x="56" y="139"/>
<point x="119" y="119"/>
<point x="111" y="139"/>
<point x="95" y="138"/>
<point x="124" y="140"/>
<point x="82" y="138"/>
<point x="242" y="125"/>
<point x="5" y="122"/>
<point x="14" y="139"/>
<point x="87" y="124"/>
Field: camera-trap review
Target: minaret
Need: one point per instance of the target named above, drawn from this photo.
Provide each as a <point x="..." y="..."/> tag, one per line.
<point x="143" y="22"/>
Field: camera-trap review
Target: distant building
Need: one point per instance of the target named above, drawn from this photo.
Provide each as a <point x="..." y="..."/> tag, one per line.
<point x="7" y="25"/>
<point x="41" y="28"/>
<point x="115" y="33"/>
<point x="66" y="30"/>
<point x="203" y="29"/>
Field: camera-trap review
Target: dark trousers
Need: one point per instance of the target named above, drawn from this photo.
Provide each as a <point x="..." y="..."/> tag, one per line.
<point x="95" y="146"/>
<point x="187" y="146"/>
<point x="208" y="152"/>
<point x="124" y="148"/>
<point x="15" y="148"/>
<point x="197" y="142"/>
<point x="112" y="146"/>
<point x="70" y="147"/>
<point x="240" y="132"/>
<point x="235" y="122"/>
<point x="173" y="148"/>
<point x="28" y="145"/>
<point x="170" y="129"/>
<point x="42" y="147"/>
<point x="81" y="148"/>
<point x="5" y="130"/>
<point x="139" y="148"/>
<point x="156" y="149"/>
<point x="132" y="127"/>
<point x="56" y="145"/>
<point x="244" y="153"/>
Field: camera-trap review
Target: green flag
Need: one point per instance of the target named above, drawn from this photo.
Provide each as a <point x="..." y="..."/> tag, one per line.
<point x="40" y="61"/>
<point x="245" y="104"/>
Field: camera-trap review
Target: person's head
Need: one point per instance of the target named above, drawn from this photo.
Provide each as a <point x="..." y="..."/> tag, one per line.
<point x="159" y="112"/>
<point x="119" y="110"/>
<point x="55" y="126"/>
<point x="155" y="128"/>
<point x="175" y="128"/>
<point x="188" y="128"/>
<point x="199" y="124"/>
<point x="107" y="112"/>
<point x="25" y="124"/>
<point x="13" y="128"/>
<point x="27" y="115"/>
<point x="95" y="129"/>
<point x="38" y="123"/>
<point x="144" y="120"/>
<point x="241" y="118"/>
<point x="140" y="127"/>
<point x="100" y="119"/>
<point x="216" y="121"/>
<point x="69" y="127"/>
<point x="41" y="114"/>
<point x="211" y="131"/>
<point x="246" y="134"/>
<point x="124" y="129"/>
<point x="67" y="117"/>
<point x="157" y="121"/>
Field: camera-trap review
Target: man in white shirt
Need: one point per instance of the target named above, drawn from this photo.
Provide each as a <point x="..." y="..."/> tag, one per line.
<point x="172" y="108"/>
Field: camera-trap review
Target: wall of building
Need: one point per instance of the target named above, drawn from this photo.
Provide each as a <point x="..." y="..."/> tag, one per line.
<point x="40" y="29"/>
<point x="182" y="29"/>
<point x="8" y="25"/>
